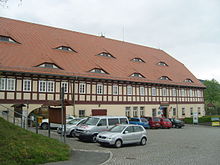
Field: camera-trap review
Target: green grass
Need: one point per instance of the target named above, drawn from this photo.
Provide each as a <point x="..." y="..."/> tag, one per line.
<point x="22" y="147"/>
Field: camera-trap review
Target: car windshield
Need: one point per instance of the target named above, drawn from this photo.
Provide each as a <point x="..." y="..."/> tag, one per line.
<point x="91" y="121"/>
<point x="166" y="120"/>
<point x="156" y="119"/>
<point x="144" y="120"/>
<point x="117" y="128"/>
<point x="73" y="122"/>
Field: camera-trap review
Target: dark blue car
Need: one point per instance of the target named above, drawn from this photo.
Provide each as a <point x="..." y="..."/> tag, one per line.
<point x="139" y="121"/>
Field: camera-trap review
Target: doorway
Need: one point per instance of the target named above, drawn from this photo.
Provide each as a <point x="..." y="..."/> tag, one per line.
<point x="164" y="112"/>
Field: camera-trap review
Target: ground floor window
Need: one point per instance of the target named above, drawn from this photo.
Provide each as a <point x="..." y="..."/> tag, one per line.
<point x="174" y="111"/>
<point x="142" y="111"/>
<point x="199" y="111"/>
<point x="128" y="111"/>
<point x="81" y="113"/>
<point x="191" y="111"/>
<point x="154" y="112"/>
<point x="135" y="111"/>
<point x="183" y="111"/>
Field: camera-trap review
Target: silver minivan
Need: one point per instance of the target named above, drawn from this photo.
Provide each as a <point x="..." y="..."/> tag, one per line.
<point x="96" y="124"/>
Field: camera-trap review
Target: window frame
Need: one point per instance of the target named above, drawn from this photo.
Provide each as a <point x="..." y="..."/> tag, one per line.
<point x="8" y="86"/>
<point x="129" y="90"/>
<point x="45" y="86"/>
<point x="3" y="85"/>
<point x="26" y="88"/>
<point x="82" y="88"/>
<point x="154" y="91"/>
<point x="115" y="89"/>
<point x="50" y="86"/>
<point x="142" y="91"/>
<point x="65" y="84"/>
<point x="99" y="89"/>
<point x="80" y="113"/>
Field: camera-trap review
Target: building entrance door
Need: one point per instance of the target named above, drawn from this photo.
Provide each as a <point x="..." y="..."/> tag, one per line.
<point x="99" y="112"/>
<point x="164" y="112"/>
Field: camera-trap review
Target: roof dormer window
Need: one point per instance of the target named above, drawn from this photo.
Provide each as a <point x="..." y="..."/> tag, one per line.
<point x="98" y="70"/>
<point x="164" y="78"/>
<point x="105" y="54"/>
<point x="137" y="75"/>
<point x="49" y="65"/>
<point x="7" y="39"/>
<point x="65" y="48"/>
<point x="161" y="63"/>
<point x="138" y="60"/>
<point x="188" y="80"/>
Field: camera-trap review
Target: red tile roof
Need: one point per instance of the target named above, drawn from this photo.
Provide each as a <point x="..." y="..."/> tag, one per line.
<point x="38" y="43"/>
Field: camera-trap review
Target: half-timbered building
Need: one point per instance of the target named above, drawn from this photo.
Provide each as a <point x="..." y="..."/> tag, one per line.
<point x="100" y="76"/>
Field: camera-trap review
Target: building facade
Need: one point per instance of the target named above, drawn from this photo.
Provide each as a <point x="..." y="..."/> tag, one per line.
<point x="100" y="76"/>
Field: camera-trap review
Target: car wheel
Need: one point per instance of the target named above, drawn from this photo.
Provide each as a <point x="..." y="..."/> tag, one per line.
<point x="72" y="133"/>
<point x="143" y="141"/>
<point x="118" y="143"/>
<point x="44" y="126"/>
<point x="94" y="138"/>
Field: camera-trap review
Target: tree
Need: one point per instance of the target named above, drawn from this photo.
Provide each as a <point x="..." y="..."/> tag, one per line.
<point x="212" y="96"/>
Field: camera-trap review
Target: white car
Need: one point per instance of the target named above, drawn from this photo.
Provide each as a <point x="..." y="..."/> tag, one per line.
<point x="71" y="126"/>
<point x="44" y="124"/>
<point x="123" y="134"/>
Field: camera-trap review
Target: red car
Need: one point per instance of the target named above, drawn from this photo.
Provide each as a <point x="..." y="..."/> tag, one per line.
<point x="165" y="123"/>
<point x="154" y="122"/>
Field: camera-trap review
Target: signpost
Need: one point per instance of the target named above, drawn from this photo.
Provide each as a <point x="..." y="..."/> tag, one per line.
<point x="195" y="118"/>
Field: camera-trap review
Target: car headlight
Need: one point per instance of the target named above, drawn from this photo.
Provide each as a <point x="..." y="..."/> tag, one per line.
<point x="86" y="131"/>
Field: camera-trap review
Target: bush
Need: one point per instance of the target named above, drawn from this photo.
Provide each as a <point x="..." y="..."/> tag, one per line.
<point x="204" y="119"/>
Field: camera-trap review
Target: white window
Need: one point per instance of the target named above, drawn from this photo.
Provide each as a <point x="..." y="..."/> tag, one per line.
<point x="142" y="93"/>
<point x="137" y="60"/>
<point x="2" y="83"/>
<point x="183" y="111"/>
<point x="141" y="111"/>
<point x="10" y="84"/>
<point x="174" y="92"/>
<point x="135" y="111"/>
<point x="42" y="86"/>
<point x="65" y="85"/>
<point x="115" y="90"/>
<point x="26" y="85"/>
<point x="128" y="111"/>
<point x="96" y="70"/>
<point x="154" y="91"/>
<point x="190" y="93"/>
<point x="82" y="88"/>
<point x="50" y="86"/>
<point x="99" y="89"/>
<point x="183" y="92"/>
<point x="129" y="90"/>
<point x="164" y="92"/>
<point x="137" y="75"/>
<point x="81" y="113"/>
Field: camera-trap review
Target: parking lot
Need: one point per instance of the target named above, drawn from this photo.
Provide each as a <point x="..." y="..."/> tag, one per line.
<point x="190" y="145"/>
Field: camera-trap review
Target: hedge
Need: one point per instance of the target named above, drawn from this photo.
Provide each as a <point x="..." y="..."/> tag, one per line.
<point x="204" y="119"/>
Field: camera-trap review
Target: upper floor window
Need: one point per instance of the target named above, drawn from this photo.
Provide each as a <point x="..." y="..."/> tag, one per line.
<point x="105" y="54"/>
<point x="137" y="75"/>
<point x="99" y="89"/>
<point x="188" y="80"/>
<point x="65" y="86"/>
<point x="115" y="89"/>
<point x="161" y="63"/>
<point x="49" y="65"/>
<point x="97" y="70"/>
<point x="183" y="92"/>
<point x="46" y="86"/>
<point x="7" y="39"/>
<point x="10" y="84"/>
<point x="82" y="88"/>
<point x="138" y="60"/>
<point x="190" y="93"/>
<point x="2" y="83"/>
<point x="154" y="91"/>
<point x="174" y="92"/>
<point x="129" y="90"/>
<point x="142" y="92"/>
<point x="65" y="48"/>
<point x="164" y="91"/>
<point x="26" y="85"/>
<point x="164" y="78"/>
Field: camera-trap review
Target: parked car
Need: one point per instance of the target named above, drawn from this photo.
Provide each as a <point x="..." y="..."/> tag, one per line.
<point x="71" y="126"/>
<point x="45" y="123"/>
<point x="96" y="124"/>
<point x="177" y="123"/>
<point x="123" y="134"/>
<point x="154" y="122"/>
<point x="139" y="121"/>
<point x="165" y="123"/>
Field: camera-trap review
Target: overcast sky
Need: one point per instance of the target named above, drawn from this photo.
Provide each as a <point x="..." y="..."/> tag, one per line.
<point x="188" y="30"/>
